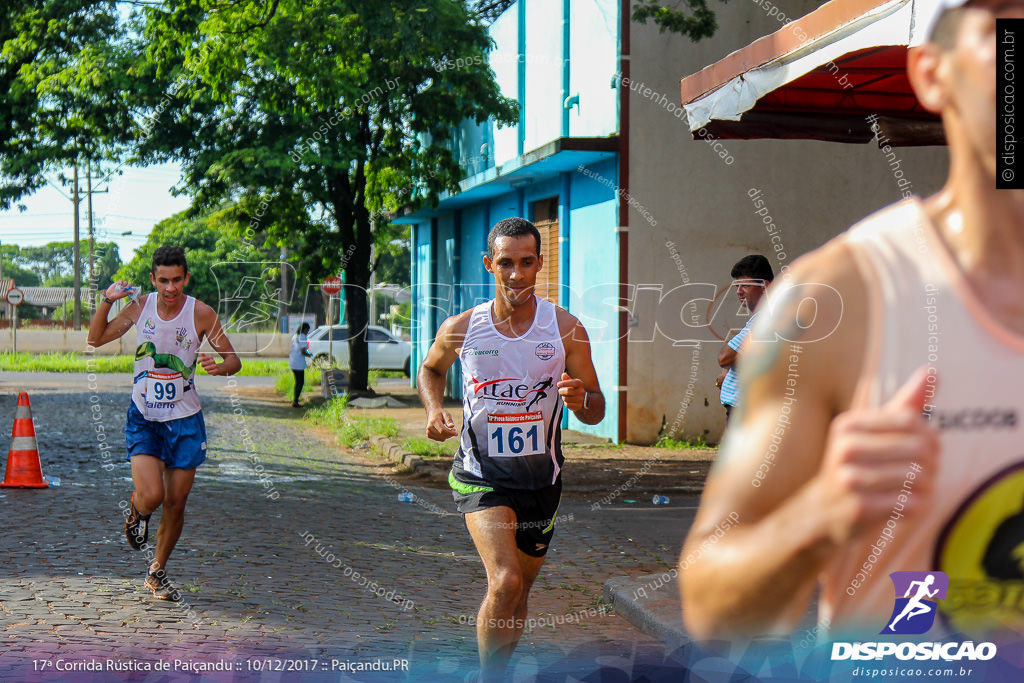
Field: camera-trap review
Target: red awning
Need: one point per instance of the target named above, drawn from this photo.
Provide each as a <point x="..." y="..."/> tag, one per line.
<point x="818" y="78"/>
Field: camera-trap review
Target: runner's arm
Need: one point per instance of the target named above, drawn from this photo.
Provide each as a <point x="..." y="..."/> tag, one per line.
<point x="579" y="383"/>
<point x="102" y="331"/>
<point x="230" y="363"/>
<point x="793" y="490"/>
<point x="431" y="377"/>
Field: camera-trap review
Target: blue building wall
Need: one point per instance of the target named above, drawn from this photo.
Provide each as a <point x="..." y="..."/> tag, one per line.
<point x="594" y="280"/>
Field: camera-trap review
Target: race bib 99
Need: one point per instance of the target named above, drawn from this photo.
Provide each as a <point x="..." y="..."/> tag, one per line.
<point x="164" y="387"/>
<point x="511" y="435"/>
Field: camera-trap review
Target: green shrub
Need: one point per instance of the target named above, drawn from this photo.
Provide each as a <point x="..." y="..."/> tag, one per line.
<point x="429" y="448"/>
<point x="668" y="442"/>
<point x="351" y="430"/>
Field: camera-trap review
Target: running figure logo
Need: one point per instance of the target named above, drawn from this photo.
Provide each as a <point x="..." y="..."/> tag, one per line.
<point x="914" y="613"/>
<point x="539" y="393"/>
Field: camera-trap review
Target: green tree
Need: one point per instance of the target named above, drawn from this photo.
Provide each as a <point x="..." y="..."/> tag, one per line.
<point x="696" y="22"/>
<point x="236" y="279"/>
<point x="53" y="263"/>
<point x="12" y="269"/>
<point x="311" y="114"/>
<point x="393" y="264"/>
<point x="22" y="277"/>
<point x="106" y="263"/>
<point x="65" y="85"/>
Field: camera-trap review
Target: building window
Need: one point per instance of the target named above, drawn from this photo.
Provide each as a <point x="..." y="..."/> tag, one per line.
<point x="545" y="217"/>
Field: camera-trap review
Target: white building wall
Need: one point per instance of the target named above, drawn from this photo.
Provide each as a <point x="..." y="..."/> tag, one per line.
<point x="543" y="72"/>
<point x="594" y="45"/>
<point x="504" y="62"/>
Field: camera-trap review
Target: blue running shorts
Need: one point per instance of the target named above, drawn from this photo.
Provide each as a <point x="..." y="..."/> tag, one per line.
<point x="179" y="443"/>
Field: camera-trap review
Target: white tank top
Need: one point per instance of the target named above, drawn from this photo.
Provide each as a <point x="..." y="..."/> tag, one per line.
<point x="924" y="312"/>
<point x="165" y="363"/>
<point x="511" y="435"/>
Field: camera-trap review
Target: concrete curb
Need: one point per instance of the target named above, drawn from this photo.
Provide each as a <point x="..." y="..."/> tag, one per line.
<point x="393" y="452"/>
<point x="652" y="604"/>
<point x="658" y="614"/>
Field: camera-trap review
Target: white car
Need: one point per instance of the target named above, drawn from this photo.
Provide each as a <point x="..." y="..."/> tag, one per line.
<point x="386" y="351"/>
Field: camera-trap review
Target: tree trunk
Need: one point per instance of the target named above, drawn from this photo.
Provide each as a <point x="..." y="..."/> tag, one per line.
<point x="357" y="312"/>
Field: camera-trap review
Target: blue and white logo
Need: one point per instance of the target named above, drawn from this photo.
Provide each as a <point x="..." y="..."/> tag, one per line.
<point x="914" y="612"/>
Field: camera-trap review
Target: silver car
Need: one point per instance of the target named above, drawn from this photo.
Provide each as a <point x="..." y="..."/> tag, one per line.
<point x="386" y="351"/>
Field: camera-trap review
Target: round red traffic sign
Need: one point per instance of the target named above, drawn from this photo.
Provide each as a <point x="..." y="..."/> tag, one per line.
<point x="15" y="296"/>
<point x="331" y="285"/>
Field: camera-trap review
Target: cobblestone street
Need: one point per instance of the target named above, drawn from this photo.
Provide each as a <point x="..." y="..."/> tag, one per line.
<point x="295" y="554"/>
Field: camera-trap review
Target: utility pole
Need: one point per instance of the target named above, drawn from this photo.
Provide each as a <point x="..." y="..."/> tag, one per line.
<point x="88" y="189"/>
<point x="92" y="243"/>
<point x="76" y="199"/>
<point x="283" y="303"/>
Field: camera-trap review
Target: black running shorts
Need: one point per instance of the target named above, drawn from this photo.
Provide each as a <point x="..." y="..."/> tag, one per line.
<point x="535" y="509"/>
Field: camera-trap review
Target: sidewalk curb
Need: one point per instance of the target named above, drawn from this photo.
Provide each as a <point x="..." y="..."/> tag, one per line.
<point x="394" y="452"/>
<point x="658" y="614"/>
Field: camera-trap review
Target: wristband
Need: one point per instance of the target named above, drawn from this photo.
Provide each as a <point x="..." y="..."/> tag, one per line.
<point x="108" y="300"/>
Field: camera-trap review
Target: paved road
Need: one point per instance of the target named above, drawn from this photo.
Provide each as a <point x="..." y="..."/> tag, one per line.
<point x="296" y="554"/>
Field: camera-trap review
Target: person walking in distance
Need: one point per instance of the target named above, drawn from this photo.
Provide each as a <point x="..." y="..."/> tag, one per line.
<point x="297" y="361"/>
<point x="522" y="359"/>
<point x="165" y="432"/>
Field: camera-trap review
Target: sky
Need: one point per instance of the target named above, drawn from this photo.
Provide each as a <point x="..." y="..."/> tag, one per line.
<point x="135" y="201"/>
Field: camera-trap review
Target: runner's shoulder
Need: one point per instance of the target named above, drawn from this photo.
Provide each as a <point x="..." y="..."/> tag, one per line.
<point x="818" y="310"/>
<point x="204" y="314"/>
<point x="822" y="291"/>
<point x="453" y="330"/>
<point x="568" y="323"/>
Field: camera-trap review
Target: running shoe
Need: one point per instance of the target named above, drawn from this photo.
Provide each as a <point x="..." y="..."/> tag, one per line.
<point x="136" y="527"/>
<point x="162" y="587"/>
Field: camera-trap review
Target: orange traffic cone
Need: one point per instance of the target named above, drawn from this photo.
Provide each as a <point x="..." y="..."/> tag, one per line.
<point x="23" y="468"/>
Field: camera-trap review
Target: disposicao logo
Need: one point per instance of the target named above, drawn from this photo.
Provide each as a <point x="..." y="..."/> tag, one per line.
<point x="914" y="613"/>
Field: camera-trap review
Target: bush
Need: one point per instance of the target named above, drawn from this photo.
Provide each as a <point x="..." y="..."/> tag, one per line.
<point x="351" y="431"/>
<point x="428" y="448"/>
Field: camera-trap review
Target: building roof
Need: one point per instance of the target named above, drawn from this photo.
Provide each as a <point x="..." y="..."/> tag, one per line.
<point x="50" y="296"/>
<point x="819" y="78"/>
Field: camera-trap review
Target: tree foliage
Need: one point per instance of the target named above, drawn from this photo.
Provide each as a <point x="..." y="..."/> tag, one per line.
<point x="696" y="22"/>
<point x="233" y="277"/>
<point x="310" y="115"/>
<point x="52" y="265"/>
<point x="22" y="277"/>
<point x="65" y="89"/>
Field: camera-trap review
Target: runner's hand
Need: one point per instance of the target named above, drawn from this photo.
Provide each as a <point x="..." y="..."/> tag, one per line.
<point x="868" y="455"/>
<point x="118" y="290"/>
<point x="440" y="426"/>
<point x="572" y="392"/>
<point x="210" y="365"/>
